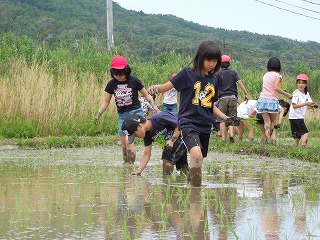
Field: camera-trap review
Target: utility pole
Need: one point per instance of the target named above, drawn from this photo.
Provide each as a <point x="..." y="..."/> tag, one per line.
<point x="110" y="42"/>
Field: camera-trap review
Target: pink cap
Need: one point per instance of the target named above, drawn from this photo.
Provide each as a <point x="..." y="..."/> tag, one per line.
<point x="173" y="75"/>
<point x="303" y="77"/>
<point x="225" y="58"/>
<point x="118" y="62"/>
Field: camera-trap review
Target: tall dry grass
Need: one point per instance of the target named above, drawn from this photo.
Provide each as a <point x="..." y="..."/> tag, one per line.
<point x="32" y="94"/>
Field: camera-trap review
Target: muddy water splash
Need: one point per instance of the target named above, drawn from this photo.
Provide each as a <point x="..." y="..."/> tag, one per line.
<point x="89" y="193"/>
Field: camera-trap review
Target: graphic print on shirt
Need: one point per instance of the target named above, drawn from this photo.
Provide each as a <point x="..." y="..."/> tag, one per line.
<point x="167" y="134"/>
<point x="171" y="92"/>
<point x="204" y="97"/>
<point x="123" y="95"/>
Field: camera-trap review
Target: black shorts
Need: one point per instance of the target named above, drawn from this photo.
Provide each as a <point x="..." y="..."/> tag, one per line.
<point x="259" y="119"/>
<point x="192" y="138"/>
<point x="178" y="153"/>
<point x="298" y="128"/>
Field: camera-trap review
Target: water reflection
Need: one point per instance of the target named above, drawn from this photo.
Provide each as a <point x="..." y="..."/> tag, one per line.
<point x="90" y="194"/>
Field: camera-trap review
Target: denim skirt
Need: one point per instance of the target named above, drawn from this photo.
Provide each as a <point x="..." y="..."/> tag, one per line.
<point x="267" y="105"/>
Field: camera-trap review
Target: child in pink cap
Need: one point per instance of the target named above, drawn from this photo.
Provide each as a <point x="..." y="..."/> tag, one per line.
<point x="300" y="102"/>
<point x="125" y="89"/>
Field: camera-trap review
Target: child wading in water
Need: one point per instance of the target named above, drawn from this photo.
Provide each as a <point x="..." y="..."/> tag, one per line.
<point x="125" y="89"/>
<point x="197" y="87"/>
<point x="267" y="103"/>
<point x="162" y="123"/>
<point x="301" y="101"/>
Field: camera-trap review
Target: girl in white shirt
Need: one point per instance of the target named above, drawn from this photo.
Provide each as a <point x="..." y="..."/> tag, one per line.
<point x="301" y="101"/>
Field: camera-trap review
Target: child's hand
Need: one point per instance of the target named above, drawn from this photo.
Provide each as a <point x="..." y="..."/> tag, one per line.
<point x="153" y="90"/>
<point x="169" y="145"/>
<point x="96" y="120"/>
<point x="314" y="105"/>
<point x="136" y="173"/>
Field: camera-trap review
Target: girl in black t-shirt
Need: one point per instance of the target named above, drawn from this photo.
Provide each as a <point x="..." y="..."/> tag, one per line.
<point x="125" y="89"/>
<point x="197" y="87"/>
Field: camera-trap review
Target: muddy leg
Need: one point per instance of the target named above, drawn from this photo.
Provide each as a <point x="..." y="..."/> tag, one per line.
<point x="167" y="167"/>
<point x="131" y="155"/>
<point x="195" y="176"/>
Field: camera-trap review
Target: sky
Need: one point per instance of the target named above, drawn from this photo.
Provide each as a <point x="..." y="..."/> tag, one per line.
<point x="295" y="19"/>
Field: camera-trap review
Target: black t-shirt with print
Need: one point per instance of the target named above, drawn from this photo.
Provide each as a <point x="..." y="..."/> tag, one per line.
<point x="126" y="93"/>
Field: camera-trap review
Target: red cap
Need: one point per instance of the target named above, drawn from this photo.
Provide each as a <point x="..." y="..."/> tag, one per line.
<point x="118" y="62"/>
<point x="173" y="75"/>
<point x="303" y="77"/>
<point x="225" y="58"/>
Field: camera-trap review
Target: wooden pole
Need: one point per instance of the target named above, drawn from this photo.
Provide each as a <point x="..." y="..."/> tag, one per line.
<point x="110" y="41"/>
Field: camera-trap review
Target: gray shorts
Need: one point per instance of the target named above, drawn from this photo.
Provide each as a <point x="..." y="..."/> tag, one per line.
<point x="228" y="105"/>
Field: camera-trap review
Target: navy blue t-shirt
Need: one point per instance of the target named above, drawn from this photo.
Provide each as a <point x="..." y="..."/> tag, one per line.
<point x="197" y="95"/>
<point x="163" y="123"/>
<point x="126" y="94"/>
<point x="227" y="80"/>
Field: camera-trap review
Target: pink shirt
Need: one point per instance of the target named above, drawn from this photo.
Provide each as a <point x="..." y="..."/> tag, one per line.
<point x="268" y="86"/>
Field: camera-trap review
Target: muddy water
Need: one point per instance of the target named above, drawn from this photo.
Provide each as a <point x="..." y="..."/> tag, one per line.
<point x="89" y="193"/>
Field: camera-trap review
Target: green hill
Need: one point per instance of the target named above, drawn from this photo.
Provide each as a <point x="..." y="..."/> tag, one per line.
<point x="57" y="22"/>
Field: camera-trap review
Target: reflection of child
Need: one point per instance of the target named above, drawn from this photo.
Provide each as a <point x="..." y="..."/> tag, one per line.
<point x="197" y="88"/>
<point x="125" y="89"/>
<point x="170" y="102"/>
<point x="301" y="100"/>
<point x="267" y="103"/>
<point x="162" y="123"/>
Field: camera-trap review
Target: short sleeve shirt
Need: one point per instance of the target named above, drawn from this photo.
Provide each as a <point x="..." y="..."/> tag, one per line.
<point x="126" y="93"/>
<point x="299" y="97"/>
<point x="163" y="123"/>
<point x="227" y="79"/>
<point x="197" y="97"/>
<point x="268" y="86"/>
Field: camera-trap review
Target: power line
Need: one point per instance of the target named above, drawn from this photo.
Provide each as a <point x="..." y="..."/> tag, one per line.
<point x="288" y="10"/>
<point x="310" y="2"/>
<point x="297" y="6"/>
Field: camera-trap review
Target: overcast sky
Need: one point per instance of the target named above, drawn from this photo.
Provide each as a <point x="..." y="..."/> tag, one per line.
<point x="294" y="19"/>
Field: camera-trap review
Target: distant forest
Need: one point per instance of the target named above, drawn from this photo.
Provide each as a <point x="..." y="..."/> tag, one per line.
<point x="66" y="22"/>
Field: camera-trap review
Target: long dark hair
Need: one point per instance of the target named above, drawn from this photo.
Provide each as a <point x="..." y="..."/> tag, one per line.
<point x="207" y="50"/>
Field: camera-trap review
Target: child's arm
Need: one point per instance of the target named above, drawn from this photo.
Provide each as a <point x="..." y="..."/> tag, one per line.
<point x="155" y="89"/>
<point x="104" y="105"/>
<point x="218" y="113"/>
<point x="299" y="105"/>
<point x="144" y="160"/>
<point x="243" y="88"/>
<point x="280" y="118"/>
<point x="279" y="89"/>
<point x="144" y="93"/>
<point x="175" y="135"/>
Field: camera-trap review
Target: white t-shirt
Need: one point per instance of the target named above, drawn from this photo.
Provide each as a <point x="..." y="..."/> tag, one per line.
<point x="170" y="97"/>
<point x="299" y="97"/>
<point x="245" y="108"/>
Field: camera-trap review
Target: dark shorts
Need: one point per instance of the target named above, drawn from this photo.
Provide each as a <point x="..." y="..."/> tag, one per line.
<point x="259" y="119"/>
<point x="298" y="128"/>
<point x="228" y="105"/>
<point x="192" y="138"/>
<point x="177" y="155"/>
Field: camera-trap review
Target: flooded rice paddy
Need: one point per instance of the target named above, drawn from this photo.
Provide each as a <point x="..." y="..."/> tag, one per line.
<point x="89" y="193"/>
